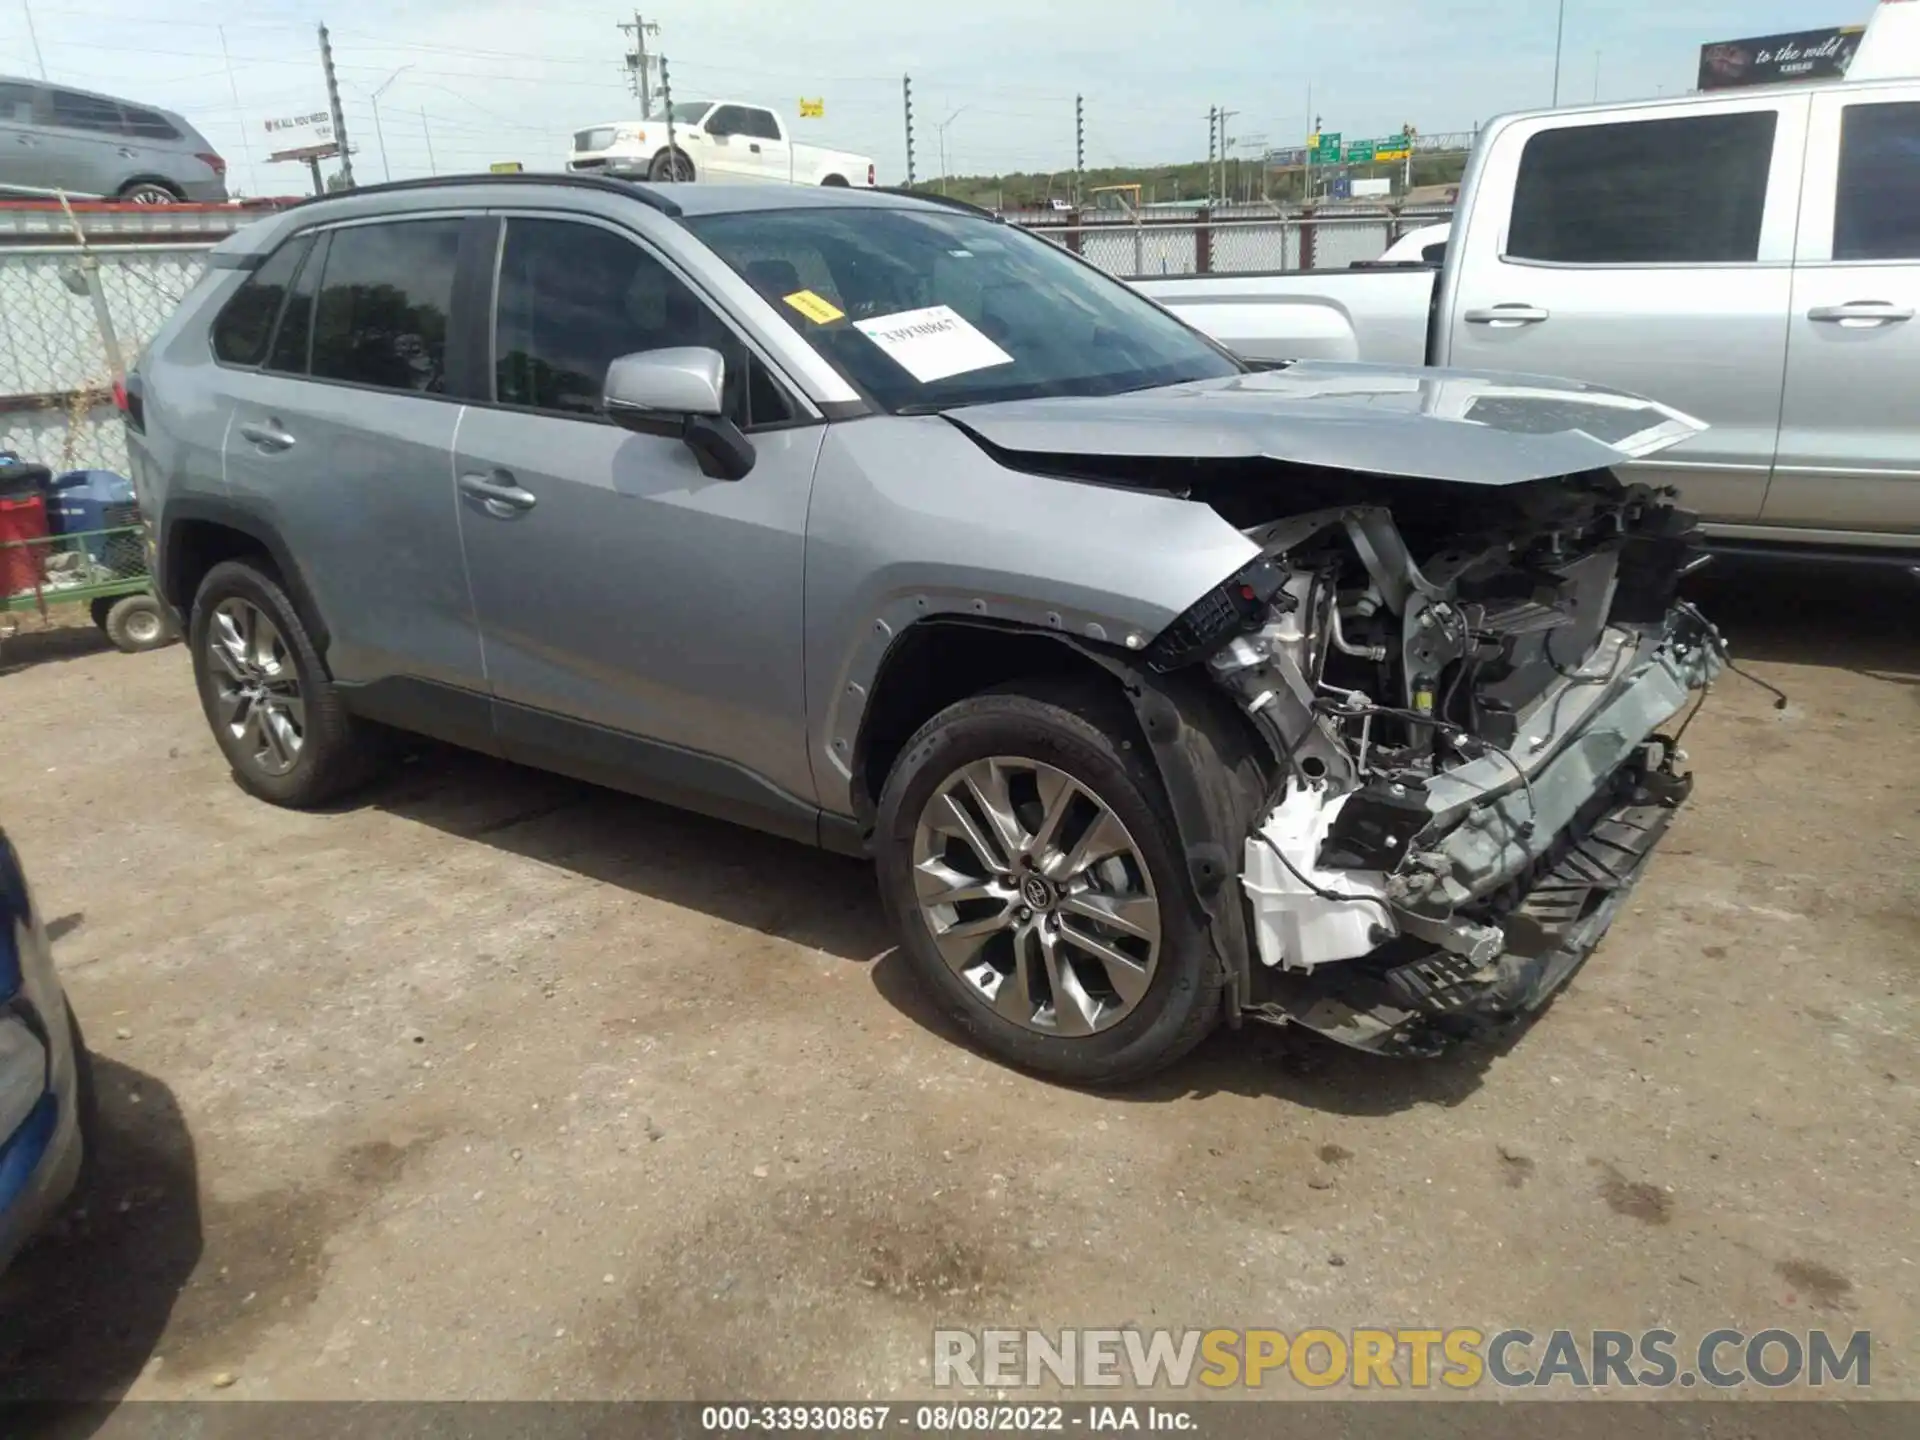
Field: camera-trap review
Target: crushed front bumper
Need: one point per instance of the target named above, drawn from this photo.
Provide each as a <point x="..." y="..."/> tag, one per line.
<point x="1496" y="882"/>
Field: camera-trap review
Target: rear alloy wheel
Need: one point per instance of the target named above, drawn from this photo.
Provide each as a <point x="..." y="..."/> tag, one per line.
<point x="256" y="687"/>
<point x="149" y="192"/>
<point x="1033" y="873"/>
<point x="267" y="695"/>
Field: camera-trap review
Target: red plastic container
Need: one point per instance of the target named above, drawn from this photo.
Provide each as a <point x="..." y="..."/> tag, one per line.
<point x="22" y="517"/>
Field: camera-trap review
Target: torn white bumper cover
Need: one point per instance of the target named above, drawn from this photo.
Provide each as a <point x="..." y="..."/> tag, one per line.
<point x="1404" y="915"/>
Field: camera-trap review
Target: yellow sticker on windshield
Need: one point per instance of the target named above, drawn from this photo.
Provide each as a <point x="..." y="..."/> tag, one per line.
<point x="821" y="312"/>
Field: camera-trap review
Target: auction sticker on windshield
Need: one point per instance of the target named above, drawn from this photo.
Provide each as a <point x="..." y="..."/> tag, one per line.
<point x="933" y="343"/>
<point x="815" y="308"/>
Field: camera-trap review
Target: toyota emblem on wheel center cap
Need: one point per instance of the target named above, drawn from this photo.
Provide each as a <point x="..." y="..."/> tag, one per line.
<point x="1037" y="892"/>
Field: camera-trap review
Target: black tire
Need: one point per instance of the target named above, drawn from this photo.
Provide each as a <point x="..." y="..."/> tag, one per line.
<point x="839" y="181"/>
<point x="337" y="752"/>
<point x="1078" y="728"/>
<point x="663" y="166"/>
<point x="100" y="609"/>
<point x="135" y="623"/>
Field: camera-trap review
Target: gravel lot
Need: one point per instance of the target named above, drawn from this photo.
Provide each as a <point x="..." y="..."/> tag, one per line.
<point x="496" y="1085"/>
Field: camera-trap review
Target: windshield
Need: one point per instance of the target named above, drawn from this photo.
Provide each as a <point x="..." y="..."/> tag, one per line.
<point x="925" y="310"/>
<point x="685" y="112"/>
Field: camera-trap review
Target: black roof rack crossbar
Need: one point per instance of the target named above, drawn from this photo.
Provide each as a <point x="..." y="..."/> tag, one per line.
<point x="632" y="189"/>
<point x="945" y="200"/>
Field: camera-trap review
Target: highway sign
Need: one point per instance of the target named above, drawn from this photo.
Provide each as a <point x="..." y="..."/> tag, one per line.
<point x="1326" y="147"/>
<point x="1359" y="152"/>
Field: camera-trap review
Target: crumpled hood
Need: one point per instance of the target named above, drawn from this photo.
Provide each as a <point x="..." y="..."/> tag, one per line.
<point x="1458" y="425"/>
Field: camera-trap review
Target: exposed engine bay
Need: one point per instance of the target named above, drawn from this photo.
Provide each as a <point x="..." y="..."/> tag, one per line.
<point x="1463" y="689"/>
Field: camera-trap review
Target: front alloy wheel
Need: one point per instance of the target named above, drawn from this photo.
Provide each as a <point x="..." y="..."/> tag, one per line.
<point x="1037" y="896"/>
<point x="256" y="684"/>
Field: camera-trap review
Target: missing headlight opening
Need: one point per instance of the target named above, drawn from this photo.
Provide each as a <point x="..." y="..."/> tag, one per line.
<point x="1463" y="698"/>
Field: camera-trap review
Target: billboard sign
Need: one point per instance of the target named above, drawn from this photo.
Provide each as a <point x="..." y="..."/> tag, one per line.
<point x="1771" y="59"/>
<point x="315" y="127"/>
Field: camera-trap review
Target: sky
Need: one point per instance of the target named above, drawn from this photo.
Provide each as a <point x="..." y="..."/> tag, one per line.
<point x="995" y="80"/>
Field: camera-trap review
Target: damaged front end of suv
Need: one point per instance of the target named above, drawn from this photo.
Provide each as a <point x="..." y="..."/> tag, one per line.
<point x="1461" y="667"/>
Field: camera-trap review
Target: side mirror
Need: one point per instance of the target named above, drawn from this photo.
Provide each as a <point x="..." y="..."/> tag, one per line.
<point x="680" y="393"/>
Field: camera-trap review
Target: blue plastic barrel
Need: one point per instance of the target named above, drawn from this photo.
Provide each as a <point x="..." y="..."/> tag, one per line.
<point x="84" y="500"/>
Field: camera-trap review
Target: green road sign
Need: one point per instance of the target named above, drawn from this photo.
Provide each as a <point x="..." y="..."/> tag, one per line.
<point x="1360" y="152"/>
<point x="1328" y="152"/>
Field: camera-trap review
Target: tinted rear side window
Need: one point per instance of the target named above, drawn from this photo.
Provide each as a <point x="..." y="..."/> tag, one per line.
<point x="150" y="125"/>
<point x="1876" y="212"/>
<point x="759" y="124"/>
<point x="245" y="324"/>
<point x="290" y="341"/>
<point x="85" y="112"/>
<point x="1645" y="192"/>
<point x="382" y="312"/>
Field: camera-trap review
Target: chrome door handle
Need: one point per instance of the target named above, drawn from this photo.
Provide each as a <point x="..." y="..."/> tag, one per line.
<point x="267" y="435"/>
<point x="1505" y="316"/>
<point x="499" y="493"/>
<point x="1857" y="313"/>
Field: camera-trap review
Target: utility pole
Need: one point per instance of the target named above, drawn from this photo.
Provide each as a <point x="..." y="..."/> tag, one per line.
<point x="34" y="36"/>
<point x="666" y="105"/>
<point x="1213" y="144"/>
<point x="1079" y="147"/>
<point x="380" y="135"/>
<point x="233" y="88"/>
<point x="1226" y="143"/>
<point x="1596" y="77"/>
<point x="1559" y="34"/>
<point x="906" y="100"/>
<point x="333" y="104"/>
<point x="639" y="63"/>
<point x="941" y="130"/>
<point x="433" y="166"/>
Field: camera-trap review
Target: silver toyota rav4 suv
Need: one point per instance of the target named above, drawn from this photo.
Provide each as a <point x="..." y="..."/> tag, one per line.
<point x="1160" y="689"/>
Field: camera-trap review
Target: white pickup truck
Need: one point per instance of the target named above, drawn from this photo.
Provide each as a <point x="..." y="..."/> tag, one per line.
<point x="1750" y="257"/>
<point x="726" y="141"/>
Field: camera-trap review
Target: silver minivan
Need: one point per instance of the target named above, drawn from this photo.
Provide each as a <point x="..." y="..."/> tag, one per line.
<point x="56" y="138"/>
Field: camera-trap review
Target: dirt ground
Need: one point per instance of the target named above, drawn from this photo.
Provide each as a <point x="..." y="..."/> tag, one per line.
<point x="496" y="1085"/>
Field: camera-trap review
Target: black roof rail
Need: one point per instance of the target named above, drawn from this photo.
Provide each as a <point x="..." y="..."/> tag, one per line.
<point x="945" y="200"/>
<point x="632" y="189"/>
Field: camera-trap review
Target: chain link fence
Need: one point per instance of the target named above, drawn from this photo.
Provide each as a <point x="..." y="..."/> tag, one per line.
<point x="71" y="319"/>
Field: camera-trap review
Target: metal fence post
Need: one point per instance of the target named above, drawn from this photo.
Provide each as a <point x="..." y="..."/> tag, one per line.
<point x="1203" y="242"/>
<point x="1076" y="237"/>
<point x="1306" y="238"/>
<point x="96" y="293"/>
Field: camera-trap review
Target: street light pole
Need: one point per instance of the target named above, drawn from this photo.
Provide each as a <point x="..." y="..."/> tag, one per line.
<point x="942" y="129"/>
<point x="378" y="134"/>
<point x="1559" y="34"/>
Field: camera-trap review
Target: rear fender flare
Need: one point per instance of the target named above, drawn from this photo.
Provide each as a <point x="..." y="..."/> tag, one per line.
<point x="228" y="515"/>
